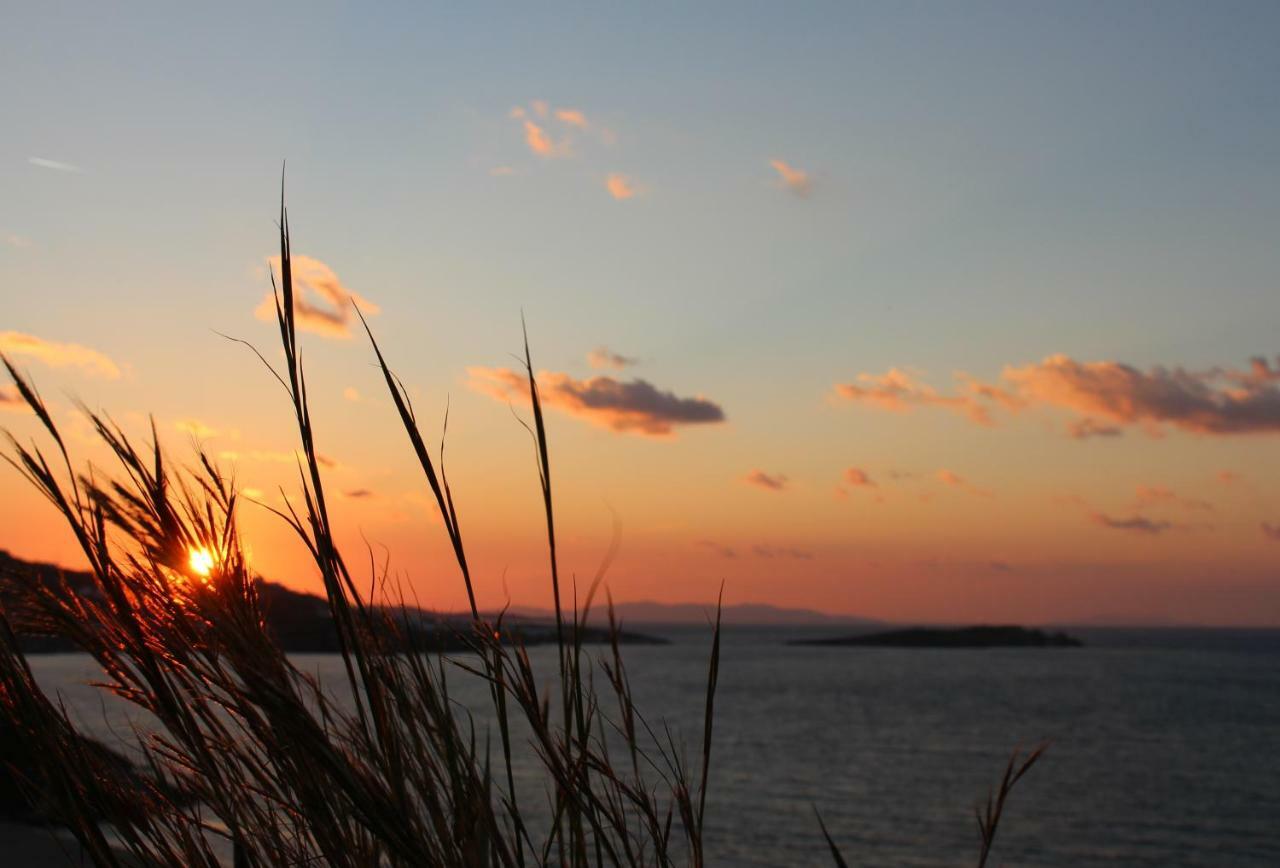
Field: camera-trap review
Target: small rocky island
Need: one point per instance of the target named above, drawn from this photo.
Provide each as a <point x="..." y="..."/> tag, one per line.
<point x="953" y="637"/>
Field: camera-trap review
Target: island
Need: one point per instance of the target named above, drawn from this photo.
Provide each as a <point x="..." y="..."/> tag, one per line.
<point x="953" y="637"/>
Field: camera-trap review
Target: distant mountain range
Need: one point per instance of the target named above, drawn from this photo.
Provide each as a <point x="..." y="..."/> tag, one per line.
<point x="300" y="622"/>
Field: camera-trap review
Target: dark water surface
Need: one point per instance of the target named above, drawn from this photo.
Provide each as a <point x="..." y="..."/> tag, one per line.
<point x="1165" y="745"/>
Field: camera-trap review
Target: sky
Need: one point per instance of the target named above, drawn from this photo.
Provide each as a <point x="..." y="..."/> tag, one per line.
<point x="919" y="311"/>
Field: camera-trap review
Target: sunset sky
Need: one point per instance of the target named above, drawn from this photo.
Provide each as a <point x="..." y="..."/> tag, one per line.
<point x="903" y="310"/>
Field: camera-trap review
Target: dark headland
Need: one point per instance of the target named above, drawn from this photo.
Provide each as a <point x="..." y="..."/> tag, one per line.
<point x="952" y="637"/>
<point x="301" y="623"/>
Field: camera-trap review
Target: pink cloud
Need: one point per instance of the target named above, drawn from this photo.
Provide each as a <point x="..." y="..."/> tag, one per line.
<point x="857" y="477"/>
<point x="603" y="357"/>
<point x="793" y="179"/>
<point x="621" y="187"/>
<point x="1107" y="396"/>
<point x="321" y="304"/>
<point x="767" y="481"/>
<point x="572" y="117"/>
<point x="631" y="407"/>
<point x="58" y="355"/>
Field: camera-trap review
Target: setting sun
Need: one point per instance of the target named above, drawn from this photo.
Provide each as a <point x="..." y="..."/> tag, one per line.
<point x="200" y="561"/>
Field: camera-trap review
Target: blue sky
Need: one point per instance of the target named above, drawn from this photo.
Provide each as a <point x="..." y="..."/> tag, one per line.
<point x="992" y="183"/>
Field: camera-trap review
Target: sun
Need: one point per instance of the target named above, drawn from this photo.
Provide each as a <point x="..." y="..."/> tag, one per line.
<point x="200" y="561"/>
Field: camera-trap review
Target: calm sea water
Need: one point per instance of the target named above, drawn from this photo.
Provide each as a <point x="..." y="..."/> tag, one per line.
<point x="1165" y="745"/>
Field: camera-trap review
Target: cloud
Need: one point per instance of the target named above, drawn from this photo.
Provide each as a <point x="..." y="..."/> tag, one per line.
<point x="1271" y="531"/>
<point x="769" y="482"/>
<point x="1229" y="477"/>
<point x="19" y="241"/>
<point x="55" y="165"/>
<point x="722" y="550"/>
<point x="58" y="355"/>
<point x="899" y="391"/>
<point x="540" y="143"/>
<point x="631" y="407"/>
<point x="501" y="171"/>
<point x="603" y="357"/>
<point x="1106" y="395"/>
<point x="954" y="480"/>
<point x="767" y="551"/>
<point x="621" y="187"/>
<point x="1083" y="429"/>
<point x="1133" y="523"/>
<point x="1159" y="495"/>
<point x="321" y="304"/>
<point x="1219" y="401"/>
<point x="572" y="117"/>
<point x="540" y="107"/>
<point x="11" y="399"/>
<point x="351" y="394"/>
<point x="793" y="179"/>
<point x="358" y="494"/>
<point x="858" y="477"/>
<point x="196" y="429"/>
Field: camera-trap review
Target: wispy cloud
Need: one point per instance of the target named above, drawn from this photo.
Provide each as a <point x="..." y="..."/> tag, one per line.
<point x="358" y="494"/>
<point x="55" y="165"/>
<point x="858" y="477"/>
<point x="11" y="399"/>
<point x="951" y="479"/>
<point x="722" y="550"/>
<point x="899" y="390"/>
<point x="1271" y="531"/>
<point x="621" y="187"/>
<point x="1160" y="495"/>
<point x="58" y="355"/>
<point x="793" y="179"/>
<point x="321" y="304"/>
<point x="1133" y="524"/>
<point x="767" y="481"/>
<point x="501" y="171"/>
<point x="1083" y="429"/>
<point x="21" y="242"/>
<point x="541" y="144"/>
<point x="603" y="357"/>
<point x="630" y="407"/>
<point x="196" y="429"/>
<point x="1107" y="396"/>
<point x="572" y="117"/>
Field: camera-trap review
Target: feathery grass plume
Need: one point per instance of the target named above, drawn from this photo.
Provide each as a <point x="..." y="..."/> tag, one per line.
<point x="250" y="754"/>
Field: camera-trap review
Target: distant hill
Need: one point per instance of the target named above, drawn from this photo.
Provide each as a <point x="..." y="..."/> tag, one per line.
<point x="300" y="622"/>
<point x="738" y="615"/>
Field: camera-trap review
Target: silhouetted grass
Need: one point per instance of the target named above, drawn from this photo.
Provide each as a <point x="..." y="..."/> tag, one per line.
<point x="249" y="747"/>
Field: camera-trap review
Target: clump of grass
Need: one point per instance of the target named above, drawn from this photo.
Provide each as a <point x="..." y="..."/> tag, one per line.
<point x="263" y="755"/>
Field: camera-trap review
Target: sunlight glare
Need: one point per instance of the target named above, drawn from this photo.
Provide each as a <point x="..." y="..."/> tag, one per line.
<point x="200" y="560"/>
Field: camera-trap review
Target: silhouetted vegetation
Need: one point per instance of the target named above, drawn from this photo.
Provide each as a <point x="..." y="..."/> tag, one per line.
<point x="249" y="748"/>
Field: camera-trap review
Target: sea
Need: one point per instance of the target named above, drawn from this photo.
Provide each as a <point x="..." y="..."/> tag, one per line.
<point x="1163" y="745"/>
